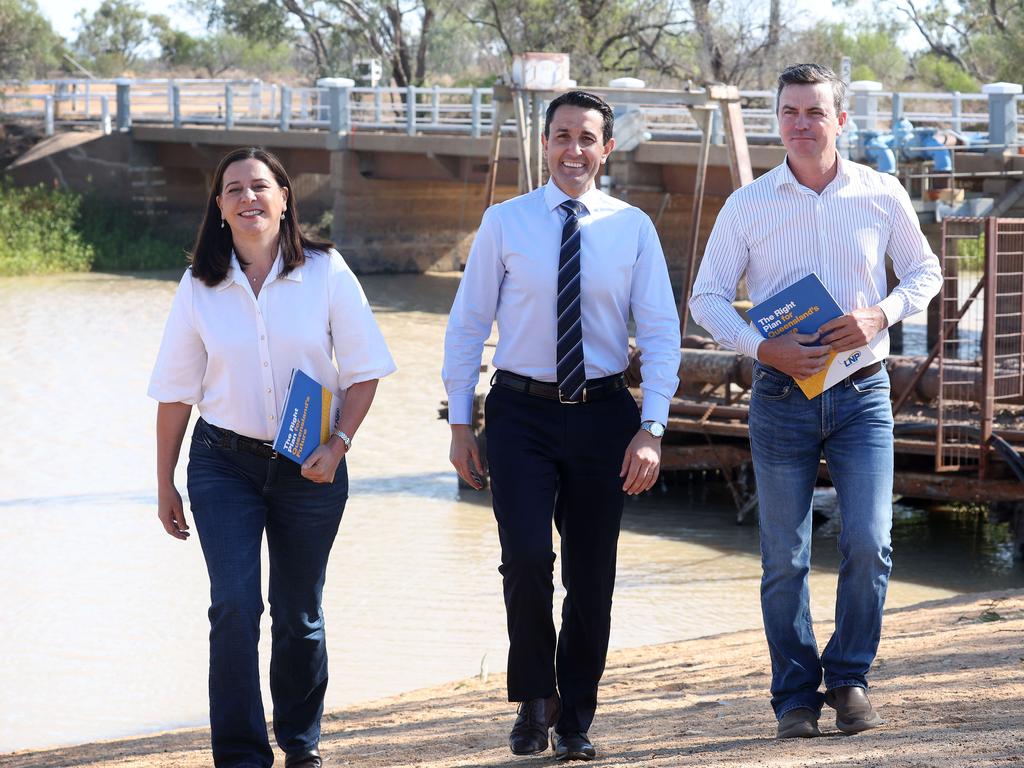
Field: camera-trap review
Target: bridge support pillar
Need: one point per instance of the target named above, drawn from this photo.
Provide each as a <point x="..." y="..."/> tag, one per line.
<point x="340" y="162"/>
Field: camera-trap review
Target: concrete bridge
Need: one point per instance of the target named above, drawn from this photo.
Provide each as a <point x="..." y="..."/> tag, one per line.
<point x="403" y="171"/>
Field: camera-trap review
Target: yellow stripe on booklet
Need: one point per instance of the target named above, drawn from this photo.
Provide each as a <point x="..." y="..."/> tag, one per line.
<point x="804" y="307"/>
<point x="311" y="412"/>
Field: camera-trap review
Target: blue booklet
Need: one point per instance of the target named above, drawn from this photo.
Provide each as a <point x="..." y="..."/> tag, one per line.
<point x="311" y="413"/>
<point x="804" y="307"/>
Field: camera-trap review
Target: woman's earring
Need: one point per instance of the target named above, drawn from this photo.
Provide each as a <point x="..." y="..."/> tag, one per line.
<point x="282" y="214"/>
<point x="222" y="223"/>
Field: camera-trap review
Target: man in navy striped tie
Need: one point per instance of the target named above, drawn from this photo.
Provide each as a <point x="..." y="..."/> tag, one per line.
<point x="819" y="213"/>
<point x="561" y="269"/>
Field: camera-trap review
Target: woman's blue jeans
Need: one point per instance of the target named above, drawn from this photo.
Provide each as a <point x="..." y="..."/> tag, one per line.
<point x="851" y="424"/>
<point x="235" y="497"/>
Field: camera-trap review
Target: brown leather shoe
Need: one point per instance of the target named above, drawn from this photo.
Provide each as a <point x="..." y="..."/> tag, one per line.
<point x="854" y="712"/>
<point x="799" y="723"/>
<point x="530" y="733"/>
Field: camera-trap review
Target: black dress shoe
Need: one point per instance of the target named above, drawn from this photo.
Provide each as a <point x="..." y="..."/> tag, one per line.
<point x="530" y="732"/>
<point x="308" y="759"/>
<point x="572" y="746"/>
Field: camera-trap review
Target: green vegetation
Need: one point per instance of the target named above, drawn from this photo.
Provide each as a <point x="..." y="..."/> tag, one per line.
<point x="130" y="242"/>
<point x="945" y="75"/>
<point x="39" y="232"/>
<point x="46" y="230"/>
<point x="971" y="254"/>
<point x="28" y="45"/>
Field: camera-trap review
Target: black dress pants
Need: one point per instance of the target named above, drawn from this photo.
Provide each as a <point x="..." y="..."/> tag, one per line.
<point x="548" y="459"/>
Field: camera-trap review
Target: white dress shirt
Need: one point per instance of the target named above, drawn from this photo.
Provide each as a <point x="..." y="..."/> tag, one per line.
<point x="512" y="276"/>
<point x="776" y="231"/>
<point x="232" y="353"/>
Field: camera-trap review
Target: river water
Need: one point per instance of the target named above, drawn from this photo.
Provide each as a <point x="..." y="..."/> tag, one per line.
<point x="104" y="615"/>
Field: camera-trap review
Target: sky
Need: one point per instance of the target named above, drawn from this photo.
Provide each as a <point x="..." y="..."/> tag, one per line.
<point x="62" y="13"/>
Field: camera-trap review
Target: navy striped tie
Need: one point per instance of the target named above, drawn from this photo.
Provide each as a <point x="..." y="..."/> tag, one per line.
<point x="569" y="350"/>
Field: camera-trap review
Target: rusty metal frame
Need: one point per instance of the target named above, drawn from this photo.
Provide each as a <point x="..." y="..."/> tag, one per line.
<point x="948" y="459"/>
<point x="988" y="342"/>
<point x="1001" y="346"/>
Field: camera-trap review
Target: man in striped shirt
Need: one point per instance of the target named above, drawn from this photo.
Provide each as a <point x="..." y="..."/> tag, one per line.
<point x="818" y="213"/>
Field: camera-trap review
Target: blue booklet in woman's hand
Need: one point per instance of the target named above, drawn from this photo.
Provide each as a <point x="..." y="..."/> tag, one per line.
<point x="804" y="307"/>
<point x="311" y="413"/>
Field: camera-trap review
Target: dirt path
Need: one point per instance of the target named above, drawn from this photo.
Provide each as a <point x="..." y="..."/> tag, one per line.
<point x="949" y="680"/>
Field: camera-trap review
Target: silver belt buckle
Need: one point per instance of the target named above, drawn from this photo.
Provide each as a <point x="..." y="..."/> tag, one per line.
<point x="563" y="401"/>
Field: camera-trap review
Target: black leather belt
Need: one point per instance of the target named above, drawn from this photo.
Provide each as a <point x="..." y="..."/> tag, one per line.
<point x="593" y="390"/>
<point x="232" y="441"/>
<point x="867" y="370"/>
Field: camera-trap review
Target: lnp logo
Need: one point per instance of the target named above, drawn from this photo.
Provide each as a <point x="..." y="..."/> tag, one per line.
<point x="851" y="359"/>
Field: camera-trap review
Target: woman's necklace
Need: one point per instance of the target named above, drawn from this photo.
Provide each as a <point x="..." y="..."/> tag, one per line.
<point x="256" y="275"/>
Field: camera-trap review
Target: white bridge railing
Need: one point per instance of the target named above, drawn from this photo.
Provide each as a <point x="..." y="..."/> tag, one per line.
<point x="117" y="104"/>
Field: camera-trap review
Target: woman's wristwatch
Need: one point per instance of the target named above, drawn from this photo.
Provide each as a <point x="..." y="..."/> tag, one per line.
<point x="344" y="438"/>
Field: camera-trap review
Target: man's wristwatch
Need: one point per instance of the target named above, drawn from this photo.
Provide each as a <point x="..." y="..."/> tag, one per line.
<point x="344" y="438"/>
<point x="654" y="428"/>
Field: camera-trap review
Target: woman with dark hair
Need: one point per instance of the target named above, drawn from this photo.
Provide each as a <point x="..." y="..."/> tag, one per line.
<point x="260" y="299"/>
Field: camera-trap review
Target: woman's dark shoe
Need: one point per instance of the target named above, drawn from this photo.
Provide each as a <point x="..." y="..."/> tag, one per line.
<point x="530" y="732"/>
<point x="308" y="759"/>
<point x="572" y="746"/>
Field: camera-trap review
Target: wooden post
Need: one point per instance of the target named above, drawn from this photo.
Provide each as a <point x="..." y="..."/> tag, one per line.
<point x="522" y="141"/>
<point x="502" y="108"/>
<point x="704" y="115"/>
<point x="536" y="147"/>
<point x="728" y="98"/>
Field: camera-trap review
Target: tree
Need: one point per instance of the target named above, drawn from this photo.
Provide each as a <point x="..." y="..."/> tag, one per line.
<point x="604" y="38"/>
<point x="397" y="31"/>
<point x="983" y="38"/>
<point x="28" y="46"/>
<point x="220" y="51"/>
<point x="113" y="38"/>
<point x="739" y="42"/>
<point x="943" y="74"/>
<point x="871" y="46"/>
<point x="259" y="22"/>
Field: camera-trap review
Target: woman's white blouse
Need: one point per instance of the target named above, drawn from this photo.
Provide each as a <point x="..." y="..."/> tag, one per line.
<point x="232" y="353"/>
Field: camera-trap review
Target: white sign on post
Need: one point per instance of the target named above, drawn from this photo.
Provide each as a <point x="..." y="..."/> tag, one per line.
<point x="541" y="71"/>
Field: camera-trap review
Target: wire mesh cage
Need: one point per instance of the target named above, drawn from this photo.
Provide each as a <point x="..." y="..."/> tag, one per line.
<point x="981" y="341"/>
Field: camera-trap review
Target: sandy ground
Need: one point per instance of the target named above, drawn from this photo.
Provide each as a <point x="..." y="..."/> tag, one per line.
<point x="949" y="681"/>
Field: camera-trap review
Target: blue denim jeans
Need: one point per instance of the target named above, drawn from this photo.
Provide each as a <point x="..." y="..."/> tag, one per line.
<point x="235" y="497"/>
<point x="851" y="424"/>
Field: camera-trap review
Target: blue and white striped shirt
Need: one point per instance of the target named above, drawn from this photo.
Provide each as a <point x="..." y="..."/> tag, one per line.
<point x="775" y="231"/>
